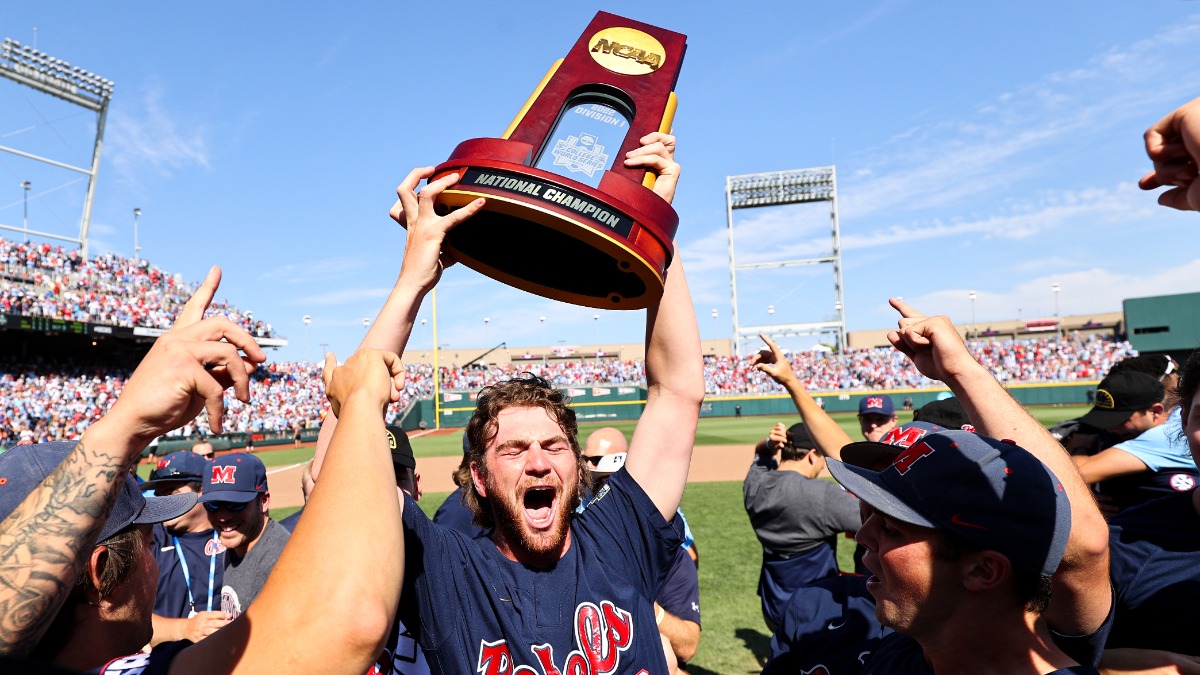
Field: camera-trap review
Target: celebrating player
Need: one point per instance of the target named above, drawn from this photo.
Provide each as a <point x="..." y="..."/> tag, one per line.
<point x="550" y="590"/>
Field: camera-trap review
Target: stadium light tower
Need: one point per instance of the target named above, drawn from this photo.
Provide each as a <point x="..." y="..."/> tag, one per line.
<point x="307" y="320"/>
<point x="781" y="188"/>
<point x="35" y="69"/>
<point x="137" y="213"/>
<point x="25" y="185"/>
<point x="1057" y="318"/>
<point x="596" y="321"/>
<point x="974" y="326"/>
<point x="542" y="321"/>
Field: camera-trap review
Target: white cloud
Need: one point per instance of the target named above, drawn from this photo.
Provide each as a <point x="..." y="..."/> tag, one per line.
<point x="324" y="270"/>
<point x="340" y="297"/>
<point x="150" y="137"/>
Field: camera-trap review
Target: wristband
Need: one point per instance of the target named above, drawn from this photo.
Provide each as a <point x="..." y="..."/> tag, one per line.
<point x="658" y="616"/>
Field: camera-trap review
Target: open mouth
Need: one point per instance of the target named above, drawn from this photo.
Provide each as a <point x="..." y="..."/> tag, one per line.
<point x="538" y="502"/>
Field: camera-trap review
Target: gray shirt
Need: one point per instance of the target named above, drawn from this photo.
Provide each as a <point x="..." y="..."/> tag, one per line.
<point x="791" y="513"/>
<point x="245" y="577"/>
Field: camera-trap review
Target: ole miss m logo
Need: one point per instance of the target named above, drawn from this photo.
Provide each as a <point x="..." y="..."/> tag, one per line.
<point x="223" y="474"/>
<point x="911" y="456"/>
<point x="874" y="402"/>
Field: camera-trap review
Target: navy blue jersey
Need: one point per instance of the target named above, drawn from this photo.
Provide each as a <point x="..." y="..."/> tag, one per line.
<point x="454" y="514"/>
<point x="202" y="554"/>
<point x="827" y="624"/>
<point x="1155" y="566"/>
<point x="157" y="662"/>
<point x="289" y="523"/>
<point x="591" y="612"/>
<point x="680" y="594"/>
<point x="781" y="575"/>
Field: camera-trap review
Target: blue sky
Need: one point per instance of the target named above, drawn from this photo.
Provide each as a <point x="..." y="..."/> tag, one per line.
<point x="991" y="147"/>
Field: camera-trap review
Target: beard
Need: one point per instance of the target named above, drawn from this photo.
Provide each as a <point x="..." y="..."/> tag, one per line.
<point x="508" y="512"/>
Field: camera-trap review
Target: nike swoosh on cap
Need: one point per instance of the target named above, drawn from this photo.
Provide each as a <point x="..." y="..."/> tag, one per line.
<point x="958" y="521"/>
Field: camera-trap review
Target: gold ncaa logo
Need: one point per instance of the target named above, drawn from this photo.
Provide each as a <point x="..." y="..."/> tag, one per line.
<point x="1104" y="400"/>
<point x="628" y="51"/>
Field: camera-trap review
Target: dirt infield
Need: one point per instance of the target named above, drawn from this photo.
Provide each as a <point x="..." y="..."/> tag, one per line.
<point x="709" y="463"/>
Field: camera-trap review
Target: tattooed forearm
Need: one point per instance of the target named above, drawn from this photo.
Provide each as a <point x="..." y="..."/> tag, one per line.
<point x="45" y="541"/>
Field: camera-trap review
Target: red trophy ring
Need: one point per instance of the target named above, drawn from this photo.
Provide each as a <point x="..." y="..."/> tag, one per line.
<point x="564" y="218"/>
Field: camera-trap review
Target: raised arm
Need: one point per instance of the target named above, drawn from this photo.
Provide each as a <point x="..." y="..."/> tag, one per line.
<point x="1082" y="595"/>
<point x="332" y="595"/>
<point x="1173" y="144"/>
<point x="44" y="542"/>
<point x="660" y="453"/>
<point x="827" y="434"/>
<point x="420" y="270"/>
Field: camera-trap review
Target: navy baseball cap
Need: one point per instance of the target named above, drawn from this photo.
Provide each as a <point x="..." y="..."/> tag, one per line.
<point x="800" y="438"/>
<point x="402" y="452"/>
<point x="240" y="477"/>
<point x="865" y="454"/>
<point x="1120" y="395"/>
<point x="25" y="467"/>
<point x="177" y="466"/>
<point x="946" y="412"/>
<point x="991" y="493"/>
<point x="876" y="403"/>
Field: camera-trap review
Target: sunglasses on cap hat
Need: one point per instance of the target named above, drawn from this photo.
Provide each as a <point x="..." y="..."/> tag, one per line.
<point x="234" y="507"/>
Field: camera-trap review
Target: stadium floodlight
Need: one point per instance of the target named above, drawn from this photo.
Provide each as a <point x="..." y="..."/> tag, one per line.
<point x="780" y="188"/>
<point x="1057" y="319"/>
<point x="974" y="327"/>
<point x="25" y="185"/>
<point x="38" y="70"/>
<point x="137" y="213"/>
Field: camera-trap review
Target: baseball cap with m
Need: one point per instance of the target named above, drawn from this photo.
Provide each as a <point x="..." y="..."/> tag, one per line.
<point x="177" y="466"/>
<point x="991" y="493"/>
<point x="880" y="404"/>
<point x="26" y="467"/>
<point x="1120" y="395"/>
<point x="240" y="477"/>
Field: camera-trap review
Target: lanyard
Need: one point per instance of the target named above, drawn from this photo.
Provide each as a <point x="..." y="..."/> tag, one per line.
<point x="187" y="580"/>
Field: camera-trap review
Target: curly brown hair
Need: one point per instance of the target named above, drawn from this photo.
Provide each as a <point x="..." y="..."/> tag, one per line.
<point x="523" y="391"/>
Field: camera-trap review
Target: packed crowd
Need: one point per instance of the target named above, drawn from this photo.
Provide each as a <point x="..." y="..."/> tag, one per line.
<point x="987" y="544"/>
<point x="55" y="401"/>
<point x="44" y="280"/>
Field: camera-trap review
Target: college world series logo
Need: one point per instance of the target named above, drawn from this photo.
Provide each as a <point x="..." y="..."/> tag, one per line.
<point x="601" y="635"/>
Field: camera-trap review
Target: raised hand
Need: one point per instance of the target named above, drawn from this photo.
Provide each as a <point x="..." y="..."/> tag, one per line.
<point x="424" y="259"/>
<point x="189" y="368"/>
<point x="657" y="154"/>
<point x="1173" y="144"/>
<point x="932" y="342"/>
<point x="773" y="362"/>
<point x="376" y="374"/>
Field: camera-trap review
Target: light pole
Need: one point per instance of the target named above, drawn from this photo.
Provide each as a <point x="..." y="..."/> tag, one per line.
<point x="1057" y="317"/>
<point x="771" y="312"/>
<point x="596" y="321"/>
<point x="974" y="327"/>
<point x="715" y="314"/>
<point x="25" y="185"/>
<point x="307" y="320"/>
<point x="324" y="350"/>
<point x="137" y="213"/>
<point x="542" y="321"/>
<point x="366" y="324"/>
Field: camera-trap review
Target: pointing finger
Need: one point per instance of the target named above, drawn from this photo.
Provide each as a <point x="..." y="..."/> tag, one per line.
<point x="905" y="311"/>
<point x="193" y="311"/>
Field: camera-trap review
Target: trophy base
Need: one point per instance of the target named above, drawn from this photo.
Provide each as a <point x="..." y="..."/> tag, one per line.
<point x="546" y="234"/>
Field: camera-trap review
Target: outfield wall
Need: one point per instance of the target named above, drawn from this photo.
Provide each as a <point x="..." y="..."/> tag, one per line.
<point x="610" y="403"/>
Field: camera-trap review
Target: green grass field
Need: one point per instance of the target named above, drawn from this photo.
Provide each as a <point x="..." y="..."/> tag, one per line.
<point x="734" y="639"/>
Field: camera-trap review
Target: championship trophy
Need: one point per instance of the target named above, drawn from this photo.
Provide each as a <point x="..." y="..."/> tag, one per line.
<point x="564" y="218"/>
